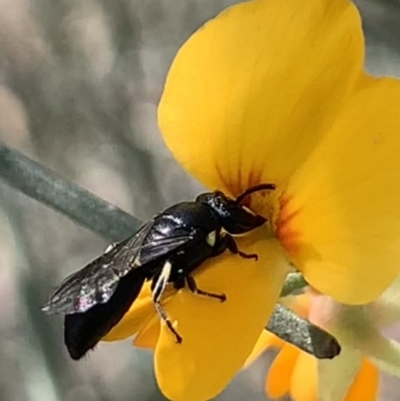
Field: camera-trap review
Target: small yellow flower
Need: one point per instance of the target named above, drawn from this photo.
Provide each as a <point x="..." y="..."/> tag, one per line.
<point x="353" y="375"/>
<point x="272" y="91"/>
<point x="296" y="373"/>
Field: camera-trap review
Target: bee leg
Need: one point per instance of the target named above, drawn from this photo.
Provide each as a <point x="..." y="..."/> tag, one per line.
<point x="232" y="246"/>
<point x="191" y="283"/>
<point x="165" y="319"/>
<point x="158" y="286"/>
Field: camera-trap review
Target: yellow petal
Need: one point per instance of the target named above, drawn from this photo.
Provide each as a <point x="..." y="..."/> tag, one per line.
<point x="265" y="341"/>
<point x="340" y="217"/>
<point x="139" y="315"/>
<point x="251" y="93"/>
<point x="218" y="337"/>
<point x="303" y="384"/>
<point x="148" y="337"/>
<point x="365" y="385"/>
<point x="277" y="383"/>
<point x="298" y="303"/>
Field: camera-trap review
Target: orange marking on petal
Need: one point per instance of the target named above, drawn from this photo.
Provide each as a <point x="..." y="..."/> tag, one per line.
<point x="286" y="218"/>
<point x="239" y="173"/>
<point x="226" y="183"/>
<point x="254" y="178"/>
<point x="284" y="230"/>
<point x="235" y="185"/>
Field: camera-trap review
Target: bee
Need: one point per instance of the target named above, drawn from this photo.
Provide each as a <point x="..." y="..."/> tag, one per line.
<point x="167" y="249"/>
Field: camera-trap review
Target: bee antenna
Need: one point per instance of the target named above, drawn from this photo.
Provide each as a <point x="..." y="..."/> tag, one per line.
<point x="252" y="190"/>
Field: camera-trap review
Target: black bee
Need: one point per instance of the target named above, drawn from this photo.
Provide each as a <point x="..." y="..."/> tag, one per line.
<point x="167" y="249"/>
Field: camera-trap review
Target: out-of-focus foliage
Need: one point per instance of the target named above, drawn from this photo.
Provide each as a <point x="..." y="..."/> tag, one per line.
<point x="79" y="85"/>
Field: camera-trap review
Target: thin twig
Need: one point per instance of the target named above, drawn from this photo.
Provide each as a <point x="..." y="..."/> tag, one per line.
<point x="293" y="329"/>
<point x="107" y="220"/>
<point x="47" y="187"/>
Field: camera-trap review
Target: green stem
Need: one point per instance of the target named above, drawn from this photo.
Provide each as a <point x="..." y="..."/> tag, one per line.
<point x="293" y="329"/>
<point x="293" y="283"/>
<point x="47" y="187"/>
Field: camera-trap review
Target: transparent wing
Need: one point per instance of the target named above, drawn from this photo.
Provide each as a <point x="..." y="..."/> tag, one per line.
<point x="97" y="282"/>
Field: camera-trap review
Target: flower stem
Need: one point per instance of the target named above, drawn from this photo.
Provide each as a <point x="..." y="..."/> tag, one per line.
<point x="293" y="329"/>
<point x="384" y="353"/>
<point x="47" y="187"/>
<point x="293" y="283"/>
<point x="105" y="219"/>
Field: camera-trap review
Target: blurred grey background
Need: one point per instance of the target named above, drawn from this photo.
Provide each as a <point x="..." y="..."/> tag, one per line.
<point x="79" y="85"/>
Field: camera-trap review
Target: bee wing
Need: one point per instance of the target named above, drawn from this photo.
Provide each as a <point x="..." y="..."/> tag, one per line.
<point x="82" y="331"/>
<point x="97" y="282"/>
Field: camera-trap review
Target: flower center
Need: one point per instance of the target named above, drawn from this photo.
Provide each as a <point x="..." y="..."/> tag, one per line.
<point x="285" y="230"/>
<point x="276" y="208"/>
<point x="265" y="204"/>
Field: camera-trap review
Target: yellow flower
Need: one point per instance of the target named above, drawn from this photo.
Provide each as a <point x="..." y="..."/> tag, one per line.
<point x="272" y="91"/>
<point x="349" y="377"/>
<point x="353" y="375"/>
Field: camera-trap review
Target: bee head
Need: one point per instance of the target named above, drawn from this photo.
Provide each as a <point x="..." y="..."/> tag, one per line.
<point x="233" y="216"/>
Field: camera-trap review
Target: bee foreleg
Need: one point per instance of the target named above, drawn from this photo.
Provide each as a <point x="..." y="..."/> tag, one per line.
<point x="158" y="288"/>
<point x="232" y="246"/>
